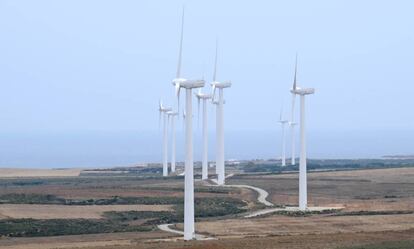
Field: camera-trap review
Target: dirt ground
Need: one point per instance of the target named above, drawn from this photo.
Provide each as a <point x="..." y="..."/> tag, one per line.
<point x="156" y="240"/>
<point x="4" y="172"/>
<point x="315" y="224"/>
<point x="383" y="190"/>
<point x="379" y="189"/>
<point x="20" y="211"/>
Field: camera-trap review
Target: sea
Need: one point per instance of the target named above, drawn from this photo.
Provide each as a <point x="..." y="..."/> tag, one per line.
<point x="90" y="149"/>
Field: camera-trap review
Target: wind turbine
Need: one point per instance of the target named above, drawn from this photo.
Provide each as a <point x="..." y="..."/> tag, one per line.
<point x="204" y="97"/>
<point x="219" y="123"/>
<point x="188" y="85"/>
<point x="163" y="111"/>
<point x="292" y="123"/>
<point x="303" y="194"/>
<point x="283" y="122"/>
<point x="172" y="115"/>
<point x="216" y="103"/>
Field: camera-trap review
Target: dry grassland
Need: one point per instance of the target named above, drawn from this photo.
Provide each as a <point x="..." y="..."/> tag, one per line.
<point x="10" y="173"/>
<point x="20" y="211"/>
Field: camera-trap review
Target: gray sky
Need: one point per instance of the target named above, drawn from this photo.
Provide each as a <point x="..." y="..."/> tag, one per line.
<point x="69" y="66"/>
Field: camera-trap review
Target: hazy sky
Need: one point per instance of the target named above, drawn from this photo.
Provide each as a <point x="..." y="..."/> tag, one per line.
<point x="70" y="66"/>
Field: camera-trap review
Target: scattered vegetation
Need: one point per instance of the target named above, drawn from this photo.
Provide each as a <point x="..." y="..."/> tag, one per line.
<point x="197" y="189"/>
<point x="54" y="227"/>
<point x="153" y="218"/>
<point x="204" y="207"/>
<point x="114" y="221"/>
<point x="30" y="199"/>
<point x="213" y="207"/>
<point x="21" y="182"/>
<point x="115" y="200"/>
<point x="17" y="198"/>
<point x="305" y="214"/>
<point x="274" y="167"/>
<point x="389" y="212"/>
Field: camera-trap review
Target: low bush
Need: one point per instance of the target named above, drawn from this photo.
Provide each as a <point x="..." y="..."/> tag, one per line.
<point x="115" y="200"/>
<point x="54" y="227"/>
<point x="389" y="212"/>
<point x="30" y="199"/>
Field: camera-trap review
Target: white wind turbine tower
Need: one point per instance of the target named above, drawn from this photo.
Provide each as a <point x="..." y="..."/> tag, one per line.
<point x="184" y="115"/>
<point x="172" y="115"/>
<point x="303" y="194"/>
<point x="216" y="103"/>
<point x="219" y="123"/>
<point x="292" y="123"/>
<point x="204" y="97"/>
<point x="283" y="123"/>
<point x="163" y="111"/>
<point x="188" y="85"/>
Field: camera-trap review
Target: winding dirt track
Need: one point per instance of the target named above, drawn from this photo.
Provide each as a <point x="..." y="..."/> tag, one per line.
<point x="263" y="194"/>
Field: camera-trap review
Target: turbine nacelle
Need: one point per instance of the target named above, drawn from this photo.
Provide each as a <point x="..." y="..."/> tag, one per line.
<point x="178" y="81"/>
<point x="162" y="108"/>
<point x="223" y="84"/>
<point x="189" y="84"/>
<point x="297" y="90"/>
<point x="200" y="95"/>
<point x="303" y="91"/>
<point x="172" y="113"/>
<point x="165" y="109"/>
<point x="294" y="89"/>
<point x="216" y="84"/>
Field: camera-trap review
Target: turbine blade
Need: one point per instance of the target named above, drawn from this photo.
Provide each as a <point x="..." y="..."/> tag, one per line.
<point x="281" y="110"/>
<point x="181" y="47"/>
<point x="214" y="91"/>
<point x="215" y="63"/>
<point x="183" y="120"/>
<point x="198" y="112"/>
<point x="292" y="117"/>
<point x="159" y="119"/>
<point x="296" y="67"/>
<point x="177" y="88"/>
<point x="177" y="92"/>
